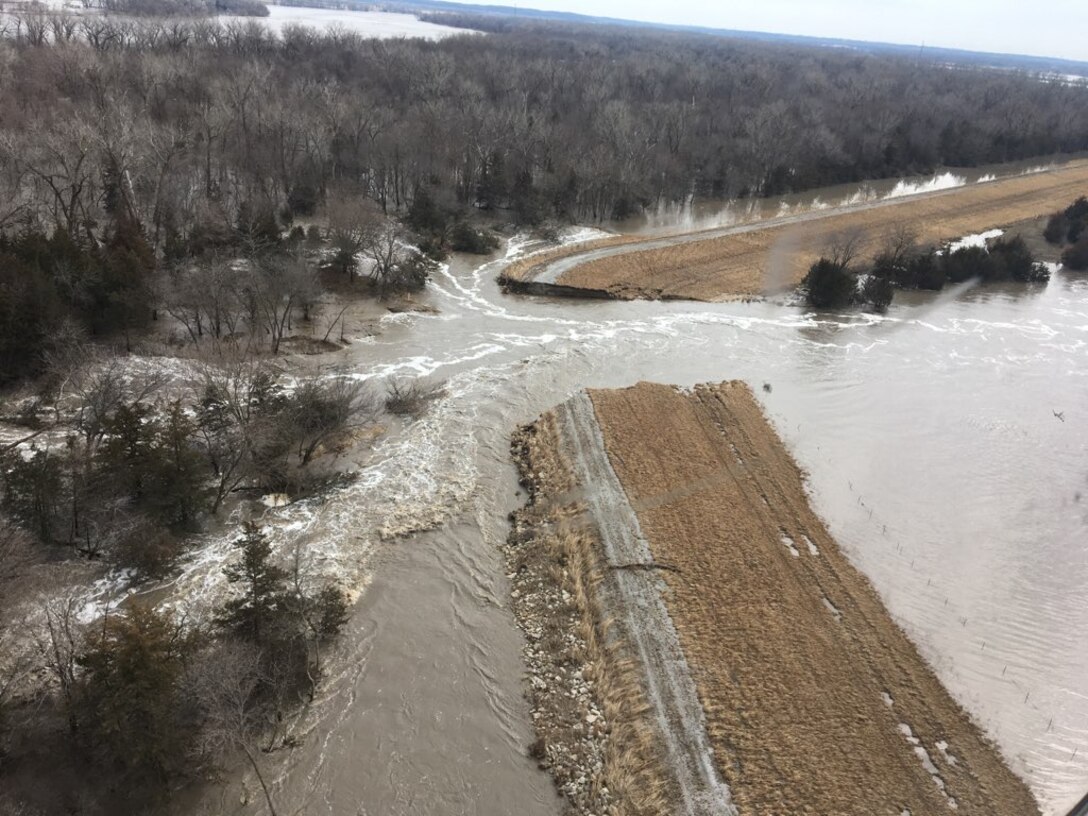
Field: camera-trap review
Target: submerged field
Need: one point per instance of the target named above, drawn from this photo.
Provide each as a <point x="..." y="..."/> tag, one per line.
<point x="770" y="256"/>
<point x="814" y="700"/>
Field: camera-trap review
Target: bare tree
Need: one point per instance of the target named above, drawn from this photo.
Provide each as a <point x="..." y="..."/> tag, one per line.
<point x="59" y="644"/>
<point x="323" y="408"/>
<point x="17" y="661"/>
<point x="844" y="248"/>
<point x="233" y="398"/>
<point x="276" y="288"/>
<point x="224" y="682"/>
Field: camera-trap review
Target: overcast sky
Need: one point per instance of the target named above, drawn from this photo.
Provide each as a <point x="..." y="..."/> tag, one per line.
<point x="1053" y="28"/>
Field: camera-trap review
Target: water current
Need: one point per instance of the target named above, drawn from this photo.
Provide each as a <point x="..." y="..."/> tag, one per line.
<point x="945" y="445"/>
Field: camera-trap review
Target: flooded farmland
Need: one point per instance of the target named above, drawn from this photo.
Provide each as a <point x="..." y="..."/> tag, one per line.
<point x="945" y="448"/>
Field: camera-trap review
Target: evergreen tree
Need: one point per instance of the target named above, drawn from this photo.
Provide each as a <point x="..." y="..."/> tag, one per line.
<point x="253" y="615"/>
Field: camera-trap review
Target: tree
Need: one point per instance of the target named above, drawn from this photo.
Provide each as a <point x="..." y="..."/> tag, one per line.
<point x="830" y="284"/>
<point x="878" y="292"/>
<point x="129" y="694"/>
<point x="254" y="614"/>
<point x="224" y="683"/>
<point x="276" y="287"/>
<point x="33" y="492"/>
<point x="1076" y="256"/>
<point x="321" y="409"/>
<point x="60" y="645"/>
<point x="17" y="663"/>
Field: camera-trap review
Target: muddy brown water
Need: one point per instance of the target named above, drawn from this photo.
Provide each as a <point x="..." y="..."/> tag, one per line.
<point x="934" y="454"/>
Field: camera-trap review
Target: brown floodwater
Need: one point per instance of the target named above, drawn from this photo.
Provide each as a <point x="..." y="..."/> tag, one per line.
<point x="946" y="448"/>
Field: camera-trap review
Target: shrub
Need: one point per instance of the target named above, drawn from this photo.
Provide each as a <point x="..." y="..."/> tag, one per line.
<point x="466" y="238"/>
<point x="1076" y="257"/>
<point x="1012" y="260"/>
<point x="878" y="292"/>
<point x="967" y="263"/>
<point x="1056" y="228"/>
<point x="926" y="272"/>
<point x="411" y="399"/>
<point x="830" y="285"/>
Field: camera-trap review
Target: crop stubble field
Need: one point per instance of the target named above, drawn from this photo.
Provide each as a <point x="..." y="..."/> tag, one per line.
<point x="807" y="684"/>
<point x="761" y="260"/>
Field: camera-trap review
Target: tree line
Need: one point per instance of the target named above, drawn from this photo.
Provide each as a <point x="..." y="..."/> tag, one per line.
<point x="189" y="123"/>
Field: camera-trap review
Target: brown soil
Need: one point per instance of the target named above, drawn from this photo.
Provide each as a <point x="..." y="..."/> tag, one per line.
<point x="804" y="677"/>
<point x="777" y="257"/>
<point x="588" y="706"/>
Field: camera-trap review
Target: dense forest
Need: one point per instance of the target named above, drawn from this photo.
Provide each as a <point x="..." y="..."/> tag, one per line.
<point x="190" y="122"/>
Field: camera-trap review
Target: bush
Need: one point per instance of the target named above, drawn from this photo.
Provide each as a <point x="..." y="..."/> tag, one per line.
<point x="1056" y="228"/>
<point x="408" y="275"/>
<point x="1012" y="260"/>
<point x="1076" y="257"/>
<point x="926" y="272"/>
<point x="466" y="238"/>
<point x="830" y="285"/>
<point x="296" y="236"/>
<point x="878" y="292"/>
<point x="1069" y="224"/>
<point x="966" y="264"/>
<point x="411" y="399"/>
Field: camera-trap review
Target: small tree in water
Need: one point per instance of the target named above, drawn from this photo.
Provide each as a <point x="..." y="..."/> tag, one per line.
<point x="830" y="284"/>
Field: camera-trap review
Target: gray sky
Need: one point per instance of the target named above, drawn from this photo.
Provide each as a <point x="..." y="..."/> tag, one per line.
<point x="1053" y="28"/>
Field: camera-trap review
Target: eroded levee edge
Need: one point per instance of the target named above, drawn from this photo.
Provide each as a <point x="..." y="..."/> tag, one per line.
<point x="616" y="711"/>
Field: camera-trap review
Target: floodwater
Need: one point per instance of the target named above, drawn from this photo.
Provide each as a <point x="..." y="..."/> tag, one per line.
<point x="379" y="24"/>
<point x="668" y="218"/>
<point x="946" y="447"/>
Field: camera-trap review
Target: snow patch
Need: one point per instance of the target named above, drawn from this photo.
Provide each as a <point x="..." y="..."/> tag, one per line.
<point x="834" y="610"/>
<point x="927" y="762"/>
<point x="978" y="240"/>
<point x="785" y="539"/>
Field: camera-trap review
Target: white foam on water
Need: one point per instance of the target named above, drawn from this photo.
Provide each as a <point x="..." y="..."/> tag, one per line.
<point x="944" y="181"/>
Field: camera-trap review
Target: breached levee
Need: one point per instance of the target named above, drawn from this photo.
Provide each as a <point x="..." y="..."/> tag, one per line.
<point x="697" y="642"/>
<point x="769" y="256"/>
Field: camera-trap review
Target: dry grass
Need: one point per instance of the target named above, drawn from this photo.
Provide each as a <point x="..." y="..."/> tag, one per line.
<point x="558" y="569"/>
<point x="778" y="256"/>
<point x="791" y="688"/>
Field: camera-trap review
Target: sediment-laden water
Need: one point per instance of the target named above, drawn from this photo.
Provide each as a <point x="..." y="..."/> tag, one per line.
<point x="946" y="447"/>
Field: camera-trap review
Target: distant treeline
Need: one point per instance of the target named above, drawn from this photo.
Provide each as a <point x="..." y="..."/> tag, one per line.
<point x="199" y="119"/>
<point x="186" y="8"/>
